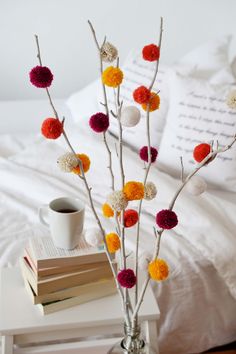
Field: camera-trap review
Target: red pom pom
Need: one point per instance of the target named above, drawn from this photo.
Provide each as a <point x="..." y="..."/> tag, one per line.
<point x="99" y="122"/>
<point x="41" y="76"/>
<point x="151" y="52"/>
<point x="130" y="217"/>
<point x="52" y="128"/>
<point x="126" y="278"/>
<point x="201" y="151"/>
<point x="166" y="219"/>
<point x="143" y="153"/>
<point x="142" y="95"/>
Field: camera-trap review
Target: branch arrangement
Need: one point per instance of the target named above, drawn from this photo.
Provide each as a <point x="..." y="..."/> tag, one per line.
<point x="128" y="191"/>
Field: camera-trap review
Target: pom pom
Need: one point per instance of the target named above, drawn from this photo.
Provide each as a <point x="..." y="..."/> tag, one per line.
<point x="153" y="103"/>
<point x="107" y="211"/>
<point x="117" y="200"/>
<point x="166" y="219"/>
<point x="130" y="116"/>
<point x="151" y="52"/>
<point x="143" y="153"/>
<point x="126" y="278"/>
<point x="67" y="162"/>
<point x="109" y="53"/>
<point x="52" y="128"/>
<point x="113" y="242"/>
<point x="99" y="122"/>
<point x="143" y="260"/>
<point x="158" y="269"/>
<point x="231" y="99"/>
<point x="85" y="162"/>
<point x="134" y="190"/>
<point x="130" y="217"/>
<point x="201" y="151"/>
<point x="41" y="76"/>
<point x="112" y="76"/>
<point x="142" y="95"/>
<point x="150" y="191"/>
<point x="93" y="237"/>
<point x="196" y="186"/>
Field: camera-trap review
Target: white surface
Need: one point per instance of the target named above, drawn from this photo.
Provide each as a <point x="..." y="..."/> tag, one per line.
<point x="67" y="45"/>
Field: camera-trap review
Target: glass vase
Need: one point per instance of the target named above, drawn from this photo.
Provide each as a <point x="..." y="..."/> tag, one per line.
<point x="132" y="343"/>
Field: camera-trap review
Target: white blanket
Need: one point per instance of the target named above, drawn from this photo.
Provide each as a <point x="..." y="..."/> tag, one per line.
<point x="205" y="234"/>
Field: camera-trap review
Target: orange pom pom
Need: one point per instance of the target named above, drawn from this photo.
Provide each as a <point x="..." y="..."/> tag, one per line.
<point x="158" y="269"/>
<point x="201" y="151"/>
<point x="154" y="102"/>
<point x="113" y="242"/>
<point x="112" y="76"/>
<point x="86" y="164"/>
<point x="107" y="211"/>
<point x="134" y="190"/>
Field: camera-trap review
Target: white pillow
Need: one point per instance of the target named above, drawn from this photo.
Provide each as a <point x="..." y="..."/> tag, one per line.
<point x="138" y="72"/>
<point x="205" y="60"/>
<point x="198" y="113"/>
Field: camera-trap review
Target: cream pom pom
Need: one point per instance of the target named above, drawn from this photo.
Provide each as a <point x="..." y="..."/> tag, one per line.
<point x="196" y="186"/>
<point x="108" y="52"/>
<point x="130" y="116"/>
<point x="143" y="260"/>
<point x="150" y="191"/>
<point x="93" y="237"/>
<point x="231" y="99"/>
<point x="117" y="200"/>
<point x="67" y="162"/>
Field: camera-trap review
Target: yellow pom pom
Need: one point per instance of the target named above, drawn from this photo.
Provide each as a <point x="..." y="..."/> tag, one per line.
<point x="112" y="76"/>
<point x="86" y="164"/>
<point x="134" y="190"/>
<point x="154" y="103"/>
<point x="158" y="269"/>
<point x="113" y="242"/>
<point x="107" y="211"/>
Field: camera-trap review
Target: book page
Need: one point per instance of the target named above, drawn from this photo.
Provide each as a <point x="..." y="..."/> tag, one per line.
<point x="43" y="248"/>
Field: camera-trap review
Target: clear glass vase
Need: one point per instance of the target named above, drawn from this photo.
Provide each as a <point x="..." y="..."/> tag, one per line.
<point x="132" y="343"/>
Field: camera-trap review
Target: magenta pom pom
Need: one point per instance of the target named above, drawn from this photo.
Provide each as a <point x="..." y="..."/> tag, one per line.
<point x="99" y="122"/>
<point x="166" y="219"/>
<point x="143" y="153"/>
<point x="126" y="278"/>
<point x="41" y="76"/>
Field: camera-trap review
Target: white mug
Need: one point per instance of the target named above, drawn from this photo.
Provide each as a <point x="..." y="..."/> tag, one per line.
<point x="65" y="219"/>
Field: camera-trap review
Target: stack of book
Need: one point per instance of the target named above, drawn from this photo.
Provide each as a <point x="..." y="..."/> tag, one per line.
<point x="57" y="279"/>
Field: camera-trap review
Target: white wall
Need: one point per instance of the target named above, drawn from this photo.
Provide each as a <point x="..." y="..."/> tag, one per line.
<point x="67" y="45"/>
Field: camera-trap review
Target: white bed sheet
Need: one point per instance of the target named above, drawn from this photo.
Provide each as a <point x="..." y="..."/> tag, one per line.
<point x="197" y="308"/>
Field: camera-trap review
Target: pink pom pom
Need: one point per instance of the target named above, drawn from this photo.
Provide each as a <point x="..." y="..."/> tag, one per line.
<point x="166" y="219"/>
<point x="41" y="76"/>
<point x="99" y="122"/>
<point x="143" y="153"/>
<point x="126" y="278"/>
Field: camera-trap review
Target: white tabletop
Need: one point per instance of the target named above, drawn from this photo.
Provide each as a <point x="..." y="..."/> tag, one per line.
<point x="18" y="314"/>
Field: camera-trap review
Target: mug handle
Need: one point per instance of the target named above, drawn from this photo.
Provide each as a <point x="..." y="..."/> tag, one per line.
<point x="41" y="213"/>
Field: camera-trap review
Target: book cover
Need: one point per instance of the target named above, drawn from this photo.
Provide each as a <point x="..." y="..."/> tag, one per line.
<point x="80" y="290"/>
<point x="44" y="254"/>
<point x="53" y="284"/>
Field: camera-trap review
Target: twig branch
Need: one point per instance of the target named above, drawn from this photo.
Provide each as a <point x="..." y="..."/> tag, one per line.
<point x="148" y="166"/>
<point x="105" y="105"/>
<point x="182" y="169"/>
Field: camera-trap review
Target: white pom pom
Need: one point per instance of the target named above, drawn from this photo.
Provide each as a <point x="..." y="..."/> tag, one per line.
<point x="130" y="116"/>
<point x="144" y="260"/>
<point x="117" y="200"/>
<point x="150" y="191"/>
<point x="93" y="237"/>
<point x="196" y="186"/>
